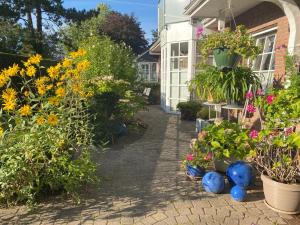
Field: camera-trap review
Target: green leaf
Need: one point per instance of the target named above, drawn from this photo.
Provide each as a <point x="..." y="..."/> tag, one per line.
<point x="215" y="144"/>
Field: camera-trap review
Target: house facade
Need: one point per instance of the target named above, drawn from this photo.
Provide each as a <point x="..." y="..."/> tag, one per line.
<point x="275" y="24"/>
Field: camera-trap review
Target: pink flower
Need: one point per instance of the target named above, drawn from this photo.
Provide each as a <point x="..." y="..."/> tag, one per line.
<point x="190" y="157"/>
<point x="208" y="156"/>
<point x="199" y="31"/>
<point x="270" y="99"/>
<point x="288" y="131"/>
<point x="260" y="92"/>
<point x="249" y="95"/>
<point x="251" y="108"/>
<point x="253" y="134"/>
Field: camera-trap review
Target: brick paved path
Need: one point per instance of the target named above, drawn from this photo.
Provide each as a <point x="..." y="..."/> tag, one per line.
<point x="142" y="184"/>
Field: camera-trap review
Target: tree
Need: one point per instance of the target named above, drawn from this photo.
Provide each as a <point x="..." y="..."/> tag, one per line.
<point x="154" y="35"/>
<point x="124" y="28"/>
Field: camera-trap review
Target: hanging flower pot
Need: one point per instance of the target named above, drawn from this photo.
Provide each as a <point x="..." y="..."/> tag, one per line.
<point x="225" y="59"/>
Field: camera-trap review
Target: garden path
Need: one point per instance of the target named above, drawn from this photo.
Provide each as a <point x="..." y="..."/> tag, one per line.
<point x="142" y="184"/>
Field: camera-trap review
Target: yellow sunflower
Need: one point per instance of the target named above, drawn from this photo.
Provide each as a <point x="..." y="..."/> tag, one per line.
<point x="9" y="94"/>
<point x="42" y="89"/>
<point x="60" y="92"/>
<point x="25" y="110"/>
<point x="31" y="70"/>
<point x="52" y="119"/>
<point x="40" y="120"/>
<point x="35" y="59"/>
<point x="1" y="131"/>
<point x="9" y="105"/>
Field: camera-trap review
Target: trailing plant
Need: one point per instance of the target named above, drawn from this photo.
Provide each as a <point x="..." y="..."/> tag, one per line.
<point x="189" y="109"/>
<point x="238" y="41"/>
<point x="277" y="155"/>
<point x="45" y="129"/>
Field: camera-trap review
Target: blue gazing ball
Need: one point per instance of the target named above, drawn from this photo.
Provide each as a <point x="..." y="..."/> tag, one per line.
<point x="213" y="182"/>
<point x="194" y="171"/>
<point x="240" y="173"/>
<point x="238" y="193"/>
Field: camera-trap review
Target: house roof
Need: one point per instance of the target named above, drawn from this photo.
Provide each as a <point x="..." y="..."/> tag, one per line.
<point x="147" y="57"/>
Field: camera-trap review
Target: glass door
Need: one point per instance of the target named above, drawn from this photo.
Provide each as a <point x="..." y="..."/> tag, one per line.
<point x="178" y="74"/>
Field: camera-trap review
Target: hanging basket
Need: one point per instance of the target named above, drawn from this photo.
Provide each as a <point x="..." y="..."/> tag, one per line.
<point x="225" y="59"/>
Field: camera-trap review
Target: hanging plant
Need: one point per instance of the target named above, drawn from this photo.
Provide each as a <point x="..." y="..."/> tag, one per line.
<point x="229" y="47"/>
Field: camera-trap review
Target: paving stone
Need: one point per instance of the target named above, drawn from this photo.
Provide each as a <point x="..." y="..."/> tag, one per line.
<point x="182" y="220"/>
<point x="127" y="221"/>
<point x="231" y="221"/>
<point x="210" y="211"/>
<point x="170" y="221"/>
<point x="159" y="216"/>
<point x="224" y="211"/>
<point x="194" y="219"/>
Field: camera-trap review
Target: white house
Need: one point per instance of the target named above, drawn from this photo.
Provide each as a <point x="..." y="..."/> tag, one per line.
<point x="274" y="23"/>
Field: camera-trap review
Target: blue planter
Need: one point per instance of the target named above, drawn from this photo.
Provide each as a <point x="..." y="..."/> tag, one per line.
<point x="213" y="182"/>
<point x="194" y="171"/>
<point x="241" y="174"/>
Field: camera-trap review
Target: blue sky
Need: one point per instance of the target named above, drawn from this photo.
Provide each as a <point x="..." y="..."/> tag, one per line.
<point x="144" y="10"/>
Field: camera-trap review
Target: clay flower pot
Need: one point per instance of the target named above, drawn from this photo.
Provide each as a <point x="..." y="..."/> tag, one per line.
<point x="283" y="198"/>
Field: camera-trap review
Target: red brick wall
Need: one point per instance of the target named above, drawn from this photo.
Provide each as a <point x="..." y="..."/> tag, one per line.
<point x="264" y="16"/>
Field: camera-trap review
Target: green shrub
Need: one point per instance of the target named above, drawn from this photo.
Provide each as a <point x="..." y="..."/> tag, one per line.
<point x="189" y="109"/>
<point x="204" y="113"/>
<point x="109" y="59"/>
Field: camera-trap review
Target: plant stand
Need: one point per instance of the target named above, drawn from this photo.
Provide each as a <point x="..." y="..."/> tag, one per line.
<point x="236" y="108"/>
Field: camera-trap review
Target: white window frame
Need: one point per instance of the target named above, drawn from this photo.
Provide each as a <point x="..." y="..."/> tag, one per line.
<point x="268" y="81"/>
<point x="143" y="74"/>
<point x="179" y="85"/>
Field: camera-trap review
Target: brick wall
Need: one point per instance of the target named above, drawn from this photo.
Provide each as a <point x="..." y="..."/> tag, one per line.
<point x="263" y="17"/>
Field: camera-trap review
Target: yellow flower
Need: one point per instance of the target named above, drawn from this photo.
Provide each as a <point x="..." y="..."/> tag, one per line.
<point x="59" y="84"/>
<point x="22" y="72"/>
<point x="67" y="63"/>
<point x="25" y="110"/>
<point x="76" y="88"/>
<point x="52" y="119"/>
<point x="31" y="70"/>
<point x="1" y="131"/>
<point x="9" y="105"/>
<point x="35" y="59"/>
<point x="9" y="94"/>
<point x="60" y="92"/>
<point x="41" y="81"/>
<point x="53" y="72"/>
<point x="54" y="101"/>
<point x="3" y="80"/>
<point x="40" y="120"/>
<point x="12" y="71"/>
<point x="80" y="52"/>
<point x="83" y="65"/>
<point x="49" y="87"/>
<point x="26" y="93"/>
<point x="42" y="89"/>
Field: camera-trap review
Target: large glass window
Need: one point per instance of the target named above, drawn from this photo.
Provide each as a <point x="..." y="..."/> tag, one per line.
<point x="264" y="64"/>
<point x="178" y="74"/>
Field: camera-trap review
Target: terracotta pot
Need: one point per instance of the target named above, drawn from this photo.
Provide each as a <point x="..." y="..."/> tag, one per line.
<point x="283" y="198"/>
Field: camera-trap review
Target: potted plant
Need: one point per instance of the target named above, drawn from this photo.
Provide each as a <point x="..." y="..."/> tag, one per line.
<point x="220" y="86"/>
<point x="196" y="161"/>
<point x="228" y="47"/>
<point x="277" y="158"/>
<point x="189" y="109"/>
<point x="228" y="142"/>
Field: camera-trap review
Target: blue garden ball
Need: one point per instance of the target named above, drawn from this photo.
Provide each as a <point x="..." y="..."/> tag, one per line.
<point x="238" y="193"/>
<point x="213" y="182"/>
<point x="240" y="173"/>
